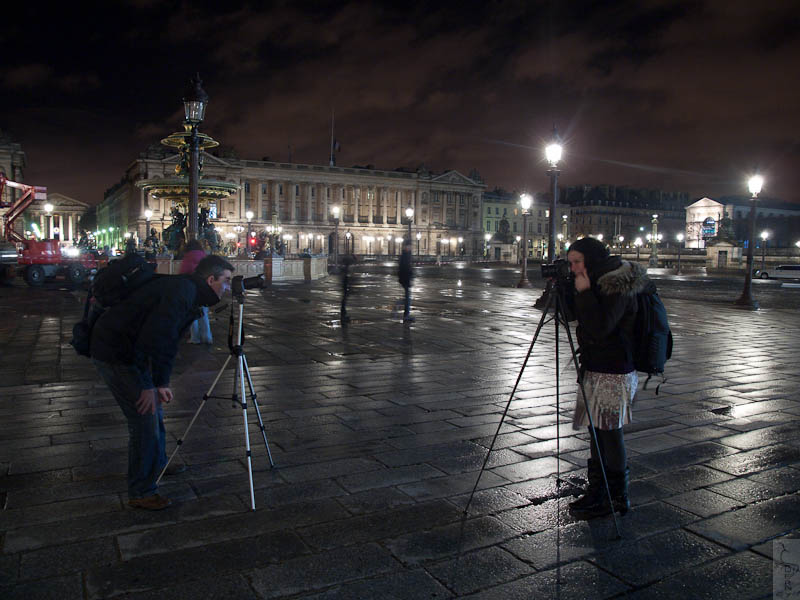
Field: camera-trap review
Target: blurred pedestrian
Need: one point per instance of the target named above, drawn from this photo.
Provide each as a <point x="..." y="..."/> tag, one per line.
<point x="200" y="330"/>
<point x="604" y="304"/>
<point x="405" y="274"/>
<point x="348" y="262"/>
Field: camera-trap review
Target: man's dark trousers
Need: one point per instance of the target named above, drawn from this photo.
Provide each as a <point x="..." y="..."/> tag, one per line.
<point x="147" y="436"/>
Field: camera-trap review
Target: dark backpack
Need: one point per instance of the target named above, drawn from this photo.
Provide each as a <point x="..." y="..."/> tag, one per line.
<point x="111" y="285"/>
<point x="652" y="338"/>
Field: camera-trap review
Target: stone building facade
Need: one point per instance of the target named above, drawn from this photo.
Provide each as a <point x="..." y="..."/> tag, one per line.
<point x="299" y="199"/>
<point x="615" y="211"/>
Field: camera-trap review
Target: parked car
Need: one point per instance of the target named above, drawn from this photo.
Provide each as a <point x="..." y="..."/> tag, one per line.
<point x="779" y="272"/>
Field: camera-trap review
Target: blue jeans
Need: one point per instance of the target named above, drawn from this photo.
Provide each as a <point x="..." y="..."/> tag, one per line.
<point x="147" y="436"/>
<point x="200" y="329"/>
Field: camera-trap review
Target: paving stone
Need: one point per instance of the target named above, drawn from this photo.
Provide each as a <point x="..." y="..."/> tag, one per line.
<point x="359" y="482"/>
<point x="763" y="437"/>
<point x="773" y="546"/>
<point x="682" y="456"/>
<point x="651" y="559"/>
<point x="476" y="570"/>
<point x="449" y="540"/>
<point x="322" y="570"/>
<point x="533" y="469"/>
<point x="752" y="524"/>
<point x="58" y="511"/>
<point x="742" y="575"/>
<point x="703" y="503"/>
<point x="218" y="587"/>
<point x="406" y="585"/>
<point x="60" y="560"/>
<point x="754" y="461"/>
<point x="378" y="526"/>
<point x="191" y="534"/>
<point x="579" y="580"/>
<point x="145" y="573"/>
<point x="68" y="587"/>
<point x="375" y="500"/>
<point x="689" y="478"/>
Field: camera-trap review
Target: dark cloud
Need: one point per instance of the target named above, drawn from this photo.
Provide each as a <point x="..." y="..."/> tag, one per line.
<point x="685" y="95"/>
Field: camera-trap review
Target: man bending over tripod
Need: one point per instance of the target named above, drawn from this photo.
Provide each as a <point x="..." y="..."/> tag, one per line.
<point x="133" y="346"/>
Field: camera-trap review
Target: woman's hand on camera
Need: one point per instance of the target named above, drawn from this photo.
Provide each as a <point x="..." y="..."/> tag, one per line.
<point x="582" y="282"/>
<point x="165" y="394"/>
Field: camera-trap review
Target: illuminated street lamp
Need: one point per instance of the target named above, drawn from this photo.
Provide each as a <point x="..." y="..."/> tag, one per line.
<point x="680" y="237"/>
<point x="746" y="299"/>
<point x="194" y="105"/>
<point x="553" y="153"/>
<point x="148" y="214"/>
<point x="525" y="201"/>
<point x="335" y="212"/>
<point x="486" y="238"/>
<point x="56" y="231"/>
<point x="410" y="217"/>
<point x="764" y="237"/>
<point x="419" y="236"/>
<point x="638" y="243"/>
<point x="238" y="229"/>
<point x="461" y="246"/>
<point x="347" y="243"/>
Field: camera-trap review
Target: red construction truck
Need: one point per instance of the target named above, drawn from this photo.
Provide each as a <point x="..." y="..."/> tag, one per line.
<point x="38" y="260"/>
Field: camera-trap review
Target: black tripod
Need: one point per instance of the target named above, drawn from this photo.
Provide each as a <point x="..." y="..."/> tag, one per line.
<point x="555" y="300"/>
<point x="242" y="370"/>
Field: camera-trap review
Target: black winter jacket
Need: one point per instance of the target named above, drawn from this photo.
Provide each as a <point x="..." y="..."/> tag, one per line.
<point x="405" y="272"/>
<point x="145" y="328"/>
<point x="606" y="313"/>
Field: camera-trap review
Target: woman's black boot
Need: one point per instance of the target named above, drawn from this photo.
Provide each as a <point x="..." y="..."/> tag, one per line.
<point x="618" y="484"/>
<point x="594" y="487"/>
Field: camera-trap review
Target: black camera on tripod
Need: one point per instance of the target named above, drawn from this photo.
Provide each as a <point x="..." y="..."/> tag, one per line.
<point x="241" y="283"/>
<point x="558" y="270"/>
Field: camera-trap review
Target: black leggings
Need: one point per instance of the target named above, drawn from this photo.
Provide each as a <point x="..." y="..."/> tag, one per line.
<point x="612" y="447"/>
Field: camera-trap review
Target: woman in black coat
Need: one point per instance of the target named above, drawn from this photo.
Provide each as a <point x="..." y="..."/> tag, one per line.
<point x="605" y="306"/>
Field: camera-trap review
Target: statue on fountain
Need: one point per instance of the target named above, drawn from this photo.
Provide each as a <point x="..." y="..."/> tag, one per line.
<point x="174" y="235"/>
<point x="206" y="231"/>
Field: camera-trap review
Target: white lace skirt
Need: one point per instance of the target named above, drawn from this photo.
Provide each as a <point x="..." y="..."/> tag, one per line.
<point x="610" y="399"/>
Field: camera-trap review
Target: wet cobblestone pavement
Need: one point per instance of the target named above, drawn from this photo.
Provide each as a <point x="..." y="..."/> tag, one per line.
<point x="378" y="431"/>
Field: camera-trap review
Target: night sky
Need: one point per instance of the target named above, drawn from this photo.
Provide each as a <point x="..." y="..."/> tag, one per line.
<point x="685" y="96"/>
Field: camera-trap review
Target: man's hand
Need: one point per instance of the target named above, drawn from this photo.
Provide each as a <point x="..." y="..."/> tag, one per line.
<point x="164" y="395"/>
<point x="146" y="402"/>
<point x="582" y="282"/>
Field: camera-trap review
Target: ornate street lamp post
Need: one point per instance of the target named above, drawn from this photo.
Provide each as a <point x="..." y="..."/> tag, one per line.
<point x="194" y="103"/>
<point x="654" y="242"/>
<point x="746" y="299"/>
<point x="419" y="236"/>
<point x="335" y="211"/>
<point x="553" y="153"/>
<point x="638" y="243"/>
<point x="410" y="217"/>
<point x="764" y="237"/>
<point x="461" y="246"/>
<point x="525" y="201"/>
<point x="486" y="238"/>
<point x="680" y="237"/>
<point x="148" y="214"/>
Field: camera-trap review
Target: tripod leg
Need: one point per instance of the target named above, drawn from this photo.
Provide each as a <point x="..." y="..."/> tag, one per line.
<point x="510" y="398"/>
<point x="258" y="411"/>
<point x="561" y="314"/>
<point x="240" y="377"/>
<point x="206" y="396"/>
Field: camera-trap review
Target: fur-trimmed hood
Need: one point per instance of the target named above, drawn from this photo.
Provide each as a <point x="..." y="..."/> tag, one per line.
<point x="628" y="278"/>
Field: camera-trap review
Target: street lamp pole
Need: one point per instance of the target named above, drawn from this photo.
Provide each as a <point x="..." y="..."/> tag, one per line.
<point x="654" y="243"/>
<point x="746" y="299"/>
<point x="486" y="238"/>
<point x="638" y="244"/>
<point x="553" y="153"/>
<point x="764" y="236"/>
<point x="525" y="201"/>
<point x="194" y="103"/>
<point x="410" y="217"/>
<point x="419" y="235"/>
<point x="680" y="238"/>
<point x="147" y="216"/>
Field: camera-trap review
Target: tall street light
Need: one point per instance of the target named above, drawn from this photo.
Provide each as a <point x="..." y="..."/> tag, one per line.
<point x="148" y="214"/>
<point x="410" y="218"/>
<point x="746" y="299"/>
<point x="419" y="236"/>
<point x="654" y="242"/>
<point x="486" y="238"/>
<point x="525" y="201"/>
<point x="680" y="237"/>
<point x="194" y="104"/>
<point x="553" y="153"/>
<point x="764" y="237"/>
<point x="638" y="243"/>
<point x="335" y="211"/>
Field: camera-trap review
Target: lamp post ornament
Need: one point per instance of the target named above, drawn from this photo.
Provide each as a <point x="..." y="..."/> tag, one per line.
<point x="525" y="201"/>
<point x="194" y="103"/>
<point x="410" y="217"/>
<point x="335" y="211"/>
<point x="553" y="154"/>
